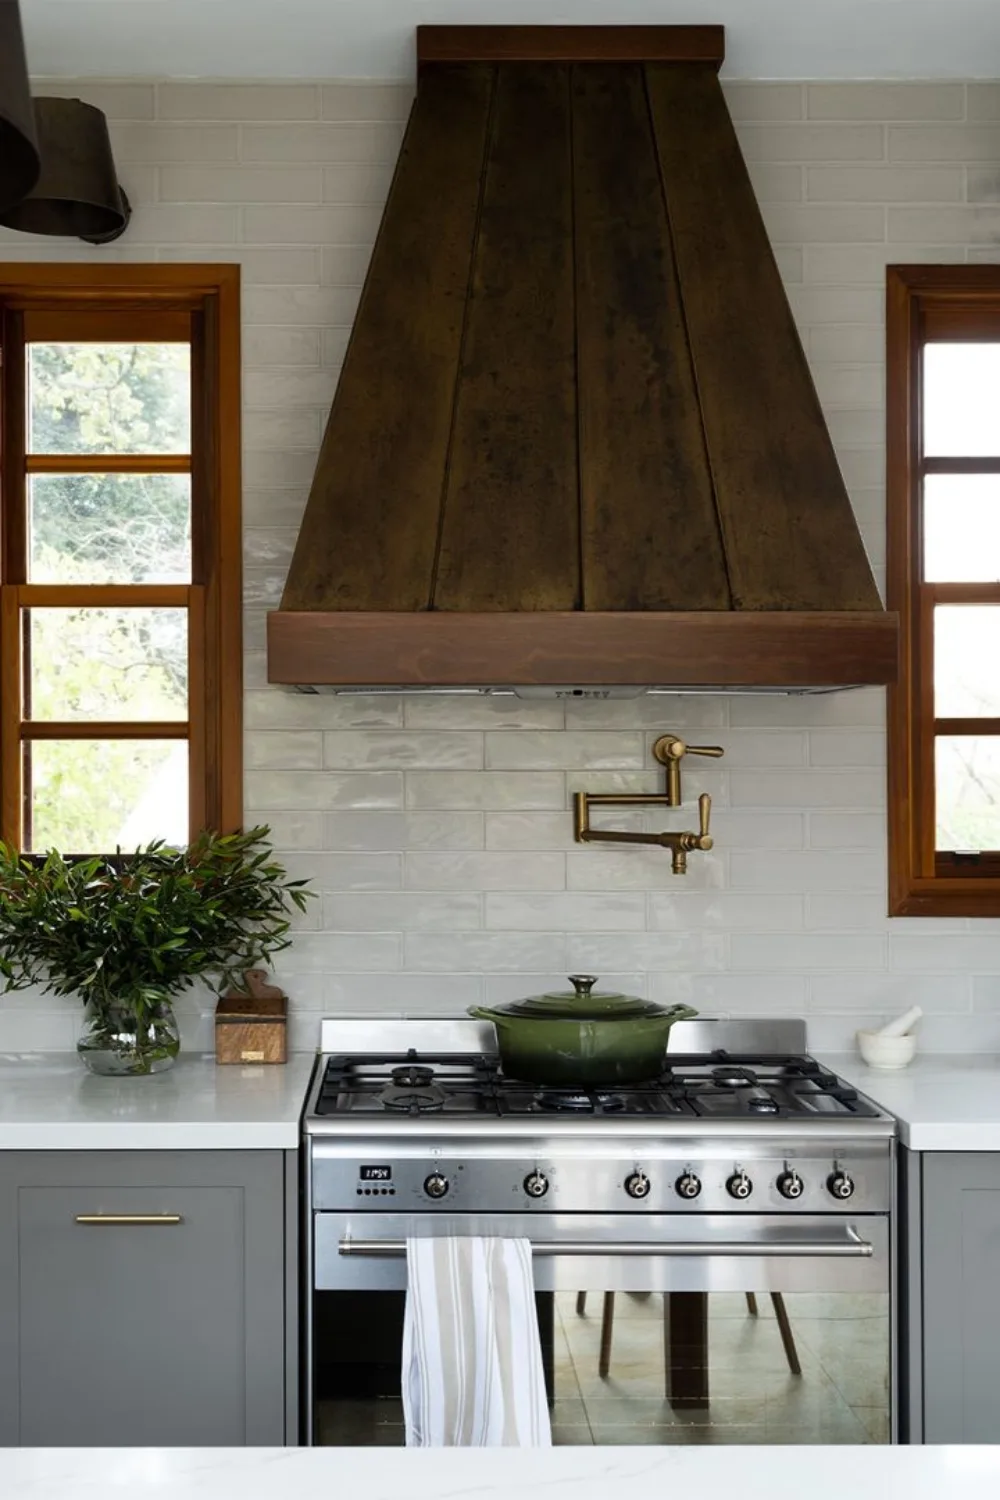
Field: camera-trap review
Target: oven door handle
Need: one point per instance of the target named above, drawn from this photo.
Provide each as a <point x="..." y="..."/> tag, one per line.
<point x="851" y="1245"/>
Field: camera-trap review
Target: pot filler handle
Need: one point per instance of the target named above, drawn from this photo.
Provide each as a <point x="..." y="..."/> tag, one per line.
<point x="850" y="1246"/>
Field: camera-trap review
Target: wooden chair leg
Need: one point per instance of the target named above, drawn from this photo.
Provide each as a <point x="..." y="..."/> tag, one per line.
<point x="607" y="1333"/>
<point x="785" y="1329"/>
<point x="581" y="1304"/>
<point x="752" y="1304"/>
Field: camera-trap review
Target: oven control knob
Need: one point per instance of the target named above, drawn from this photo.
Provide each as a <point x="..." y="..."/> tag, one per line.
<point x="637" y="1185"/>
<point x="739" y="1186"/>
<point x="688" y="1185"/>
<point x="790" y="1184"/>
<point x="435" y="1186"/>
<point x="839" y="1185"/>
<point x="536" y="1185"/>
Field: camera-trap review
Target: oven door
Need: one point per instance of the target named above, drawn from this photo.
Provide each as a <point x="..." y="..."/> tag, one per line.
<point x="656" y="1329"/>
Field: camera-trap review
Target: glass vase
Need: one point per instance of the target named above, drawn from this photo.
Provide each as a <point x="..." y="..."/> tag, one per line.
<point x="116" y="1043"/>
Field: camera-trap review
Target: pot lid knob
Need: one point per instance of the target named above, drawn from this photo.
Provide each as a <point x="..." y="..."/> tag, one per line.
<point x="583" y="984"/>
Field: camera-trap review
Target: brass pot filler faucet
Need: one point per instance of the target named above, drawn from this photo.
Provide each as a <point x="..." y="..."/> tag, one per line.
<point x="669" y="750"/>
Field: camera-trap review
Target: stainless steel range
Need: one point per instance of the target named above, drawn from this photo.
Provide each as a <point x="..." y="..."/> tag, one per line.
<point x="748" y="1184"/>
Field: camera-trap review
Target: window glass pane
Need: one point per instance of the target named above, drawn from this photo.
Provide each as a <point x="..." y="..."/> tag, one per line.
<point x="961" y="400"/>
<point x="93" y="796"/>
<point x="109" y="398"/>
<point x="967" y="798"/>
<point x="107" y="664"/>
<point x="962" y="528"/>
<point x="966" y="660"/>
<point x="110" y="528"/>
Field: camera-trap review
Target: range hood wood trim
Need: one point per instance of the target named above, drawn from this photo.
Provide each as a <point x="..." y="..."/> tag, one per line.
<point x="721" y="648"/>
<point x="462" y="44"/>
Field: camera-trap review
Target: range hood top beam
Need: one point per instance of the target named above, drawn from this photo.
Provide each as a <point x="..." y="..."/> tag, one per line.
<point x="576" y="439"/>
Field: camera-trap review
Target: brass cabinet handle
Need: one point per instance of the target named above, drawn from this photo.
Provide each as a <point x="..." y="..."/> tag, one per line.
<point x="122" y="1219"/>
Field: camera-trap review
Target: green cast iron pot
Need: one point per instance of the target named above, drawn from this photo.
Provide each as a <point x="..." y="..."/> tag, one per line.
<point x="581" y="1036"/>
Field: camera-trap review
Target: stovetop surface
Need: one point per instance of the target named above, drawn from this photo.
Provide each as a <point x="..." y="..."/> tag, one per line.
<point x="746" y="1088"/>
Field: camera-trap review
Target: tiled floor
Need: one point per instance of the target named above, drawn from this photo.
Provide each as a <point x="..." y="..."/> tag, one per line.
<point x="840" y="1397"/>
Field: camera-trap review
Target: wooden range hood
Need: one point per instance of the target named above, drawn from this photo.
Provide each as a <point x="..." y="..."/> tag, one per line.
<point x="576" y="440"/>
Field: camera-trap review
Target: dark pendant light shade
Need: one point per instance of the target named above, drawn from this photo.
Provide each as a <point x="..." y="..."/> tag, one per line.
<point x="20" y="162"/>
<point x="77" y="192"/>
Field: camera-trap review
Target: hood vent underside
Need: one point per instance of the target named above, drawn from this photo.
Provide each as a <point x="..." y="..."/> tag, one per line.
<point x="576" y="439"/>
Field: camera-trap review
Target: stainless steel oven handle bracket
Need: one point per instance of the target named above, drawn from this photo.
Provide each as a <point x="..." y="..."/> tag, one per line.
<point x="850" y="1247"/>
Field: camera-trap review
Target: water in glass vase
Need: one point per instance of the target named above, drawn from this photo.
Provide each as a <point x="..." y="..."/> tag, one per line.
<point x="117" y="1043"/>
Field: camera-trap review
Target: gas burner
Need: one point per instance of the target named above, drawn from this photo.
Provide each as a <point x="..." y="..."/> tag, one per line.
<point x="568" y="1102"/>
<point x="413" y="1098"/>
<point x="762" y="1104"/>
<point x="413" y="1076"/>
<point x="729" y="1077"/>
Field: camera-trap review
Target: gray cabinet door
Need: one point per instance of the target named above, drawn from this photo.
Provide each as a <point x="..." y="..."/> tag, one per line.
<point x="149" y="1298"/>
<point x="961" y="1297"/>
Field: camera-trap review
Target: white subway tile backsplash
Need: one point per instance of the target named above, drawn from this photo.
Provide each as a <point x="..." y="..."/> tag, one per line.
<point x="347" y="749"/>
<point x="330" y="952"/>
<point x="284" y="750"/>
<point x="409" y="830"/>
<point x="881" y="996"/>
<point x="816" y="787"/>
<point x="323" y="143"/>
<point x="405" y="911"/>
<point x="885" y="101"/>
<point x="570" y="749"/>
<point x="691" y="952"/>
<point x="349" y="872"/>
<point x="282" y="707"/>
<point x="237" y="101"/>
<point x="844" y="830"/>
<point x="439" y="830"/>
<point x="806" y="952"/>
<point x="485" y="790"/>
<point x="742" y="994"/>
<point x="323" y="791"/>
<point x="819" y="870"/>
<point x="485" y="952"/>
<point x="724" y="911"/>
<point x="488" y="871"/>
<point x="498" y="712"/>
<point x="566" y="911"/>
<point x="828" y="747"/>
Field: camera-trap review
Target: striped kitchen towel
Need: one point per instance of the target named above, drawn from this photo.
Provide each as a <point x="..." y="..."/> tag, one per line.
<point x="472" y="1360"/>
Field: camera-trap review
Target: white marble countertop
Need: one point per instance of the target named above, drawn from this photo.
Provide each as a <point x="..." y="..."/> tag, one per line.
<point x="471" y="1474"/>
<point x="51" y="1103"/>
<point x="943" y="1102"/>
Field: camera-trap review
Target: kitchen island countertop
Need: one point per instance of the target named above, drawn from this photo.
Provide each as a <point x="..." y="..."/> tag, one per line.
<point x="49" y="1102"/>
<point x="471" y="1474"/>
<point x="943" y="1101"/>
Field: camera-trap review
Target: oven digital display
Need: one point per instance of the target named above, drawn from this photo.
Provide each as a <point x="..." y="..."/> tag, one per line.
<point x="375" y="1174"/>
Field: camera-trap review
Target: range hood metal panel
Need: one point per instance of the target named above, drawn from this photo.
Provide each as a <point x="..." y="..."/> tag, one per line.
<point x="575" y="437"/>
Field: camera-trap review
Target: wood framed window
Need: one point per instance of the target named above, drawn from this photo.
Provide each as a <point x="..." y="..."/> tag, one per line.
<point x="943" y="507"/>
<point x="120" y="572"/>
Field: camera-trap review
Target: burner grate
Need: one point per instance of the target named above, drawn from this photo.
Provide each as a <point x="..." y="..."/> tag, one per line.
<point x="709" y="1085"/>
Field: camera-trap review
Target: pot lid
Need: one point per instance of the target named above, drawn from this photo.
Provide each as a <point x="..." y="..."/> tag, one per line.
<point x="583" y="1003"/>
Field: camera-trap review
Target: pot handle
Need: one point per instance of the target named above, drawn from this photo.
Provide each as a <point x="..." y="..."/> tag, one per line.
<point x="583" y="984"/>
<point x="480" y="1013"/>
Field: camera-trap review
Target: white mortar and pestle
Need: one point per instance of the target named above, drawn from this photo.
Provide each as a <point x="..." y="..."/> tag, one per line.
<point x="894" y="1045"/>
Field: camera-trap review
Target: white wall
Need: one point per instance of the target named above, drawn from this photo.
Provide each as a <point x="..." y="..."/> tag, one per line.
<point x="438" y="831"/>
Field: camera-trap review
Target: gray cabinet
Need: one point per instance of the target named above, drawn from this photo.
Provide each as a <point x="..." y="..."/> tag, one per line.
<point x="144" y="1298"/>
<point x="956" y="1320"/>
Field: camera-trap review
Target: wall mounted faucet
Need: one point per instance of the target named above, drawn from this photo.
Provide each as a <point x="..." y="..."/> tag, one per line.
<point x="669" y="750"/>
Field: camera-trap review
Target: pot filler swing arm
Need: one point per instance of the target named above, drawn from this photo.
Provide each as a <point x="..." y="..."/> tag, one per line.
<point x="669" y="750"/>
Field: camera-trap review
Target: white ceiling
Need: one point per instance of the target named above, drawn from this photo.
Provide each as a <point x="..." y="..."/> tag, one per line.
<point x="374" y="38"/>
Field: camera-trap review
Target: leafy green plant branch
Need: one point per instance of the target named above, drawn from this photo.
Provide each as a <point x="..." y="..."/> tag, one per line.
<point x="132" y="931"/>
